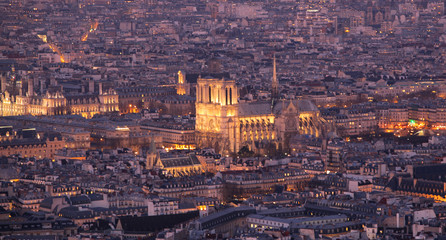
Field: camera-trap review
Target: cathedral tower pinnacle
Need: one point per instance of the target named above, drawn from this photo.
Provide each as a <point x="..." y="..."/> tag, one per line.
<point x="275" y="84"/>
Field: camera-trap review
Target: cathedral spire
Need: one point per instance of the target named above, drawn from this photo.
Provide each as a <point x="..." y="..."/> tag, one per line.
<point x="275" y="84"/>
<point x="152" y="145"/>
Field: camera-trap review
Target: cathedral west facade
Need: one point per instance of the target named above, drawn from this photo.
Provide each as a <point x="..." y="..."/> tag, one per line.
<point x="226" y="125"/>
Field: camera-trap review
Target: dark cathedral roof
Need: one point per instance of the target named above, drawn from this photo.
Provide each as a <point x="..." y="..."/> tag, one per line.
<point x="303" y="105"/>
<point x="254" y="108"/>
<point x="417" y="186"/>
<point x="435" y="172"/>
<point x="192" y="77"/>
<point x="149" y="224"/>
<point x="180" y="161"/>
<point x="264" y="108"/>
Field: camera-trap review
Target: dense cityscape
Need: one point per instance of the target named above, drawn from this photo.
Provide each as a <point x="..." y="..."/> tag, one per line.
<point x="222" y="119"/>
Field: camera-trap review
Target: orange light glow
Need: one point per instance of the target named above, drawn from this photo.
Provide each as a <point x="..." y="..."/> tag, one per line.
<point x="183" y="147"/>
<point x="53" y="47"/>
<point x="93" y="27"/>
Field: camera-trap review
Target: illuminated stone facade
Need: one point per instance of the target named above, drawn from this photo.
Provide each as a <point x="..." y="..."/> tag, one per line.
<point x="40" y="148"/>
<point x="226" y="125"/>
<point x="56" y="103"/>
<point x="173" y="165"/>
<point x="182" y="86"/>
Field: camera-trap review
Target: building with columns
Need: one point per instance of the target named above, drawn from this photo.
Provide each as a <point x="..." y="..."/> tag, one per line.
<point x="55" y="102"/>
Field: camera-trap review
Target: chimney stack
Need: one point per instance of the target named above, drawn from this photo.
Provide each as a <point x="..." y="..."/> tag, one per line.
<point x="42" y="85"/>
<point x="53" y="81"/>
<point x="3" y="82"/>
<point x="30" y="86"/>
<point x="100" y="88"/>
<point x="91" y="86"/>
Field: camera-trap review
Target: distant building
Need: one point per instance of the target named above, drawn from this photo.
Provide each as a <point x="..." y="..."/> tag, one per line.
<point x="56" y="103"/>
<point x="189" y="186"/>
<point x="166" y="206"/>
<point x="174" y="135"/>
<point x="44" y="147"/>
<point x="174" y="165"/>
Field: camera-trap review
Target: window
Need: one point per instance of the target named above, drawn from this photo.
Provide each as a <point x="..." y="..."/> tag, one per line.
<point x="210" y="94"/>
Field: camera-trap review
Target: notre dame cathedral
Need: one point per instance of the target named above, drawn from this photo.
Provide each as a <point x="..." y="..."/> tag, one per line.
<point x="226" y="125"/>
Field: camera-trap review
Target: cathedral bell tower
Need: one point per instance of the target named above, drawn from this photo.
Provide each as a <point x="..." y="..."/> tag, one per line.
<point x="216" y="113"/>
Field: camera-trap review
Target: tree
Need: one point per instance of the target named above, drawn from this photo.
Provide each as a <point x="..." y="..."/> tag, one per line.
<point x="245" y="152"/>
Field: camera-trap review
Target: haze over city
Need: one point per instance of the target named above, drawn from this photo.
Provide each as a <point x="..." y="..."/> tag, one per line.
<point x="222" y="119"/>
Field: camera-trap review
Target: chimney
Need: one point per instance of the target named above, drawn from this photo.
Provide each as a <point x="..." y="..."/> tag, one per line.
<point x="398" y="220"/>
<point x="42" y="85"/>
<point x="91" y="86"/>
<point x="382" y="169"/>
<point x="49" y="189"/>
<point x="100" y="88"/>
<point x="53" y="81"/>
<point x="30" y="87"/>
<point x="410" y="170"/>
<point x="82" y="89"/>
<point x="10" y="190"/>
<point x="3" y="82"/>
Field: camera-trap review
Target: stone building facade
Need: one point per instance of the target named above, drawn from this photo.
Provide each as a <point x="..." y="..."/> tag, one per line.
<point x="227" y="125"/>
<point x="57" y="103"/>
